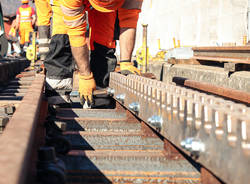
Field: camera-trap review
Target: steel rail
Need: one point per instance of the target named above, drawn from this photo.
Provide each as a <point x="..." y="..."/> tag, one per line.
<point x="214" y="131"/>
<point x="222" y="59"/>
<point x="18" y="137"/>
<point x="233" y="94"/>
<point x="237" y="54"/>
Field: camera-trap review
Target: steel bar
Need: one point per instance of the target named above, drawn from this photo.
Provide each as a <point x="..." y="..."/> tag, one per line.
<point x="213" y="131"/>
<point x="238" y="54"/>
<point x="240" y="96"/>
<point x="222" y="59"/>
<point x="17" y="139"/>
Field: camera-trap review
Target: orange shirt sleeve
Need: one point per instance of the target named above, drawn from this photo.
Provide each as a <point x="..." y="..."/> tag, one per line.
<point x="128" y="17"/>
<point x="75" y="19"/>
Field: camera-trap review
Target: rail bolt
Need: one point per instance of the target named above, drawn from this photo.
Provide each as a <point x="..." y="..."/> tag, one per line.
<point x="121" y="97"/>
<point x="193" y="145"/>
<point x="135" y="106"/>
<point x="111" y="91"/>
<point x="156" y="121"/>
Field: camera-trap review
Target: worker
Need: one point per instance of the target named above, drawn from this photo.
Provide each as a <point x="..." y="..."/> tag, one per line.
<point x="26" y="19"/>
<point x="59" y="60"/>
<point x="74" y="17"/>
<point x="44" y="14"/>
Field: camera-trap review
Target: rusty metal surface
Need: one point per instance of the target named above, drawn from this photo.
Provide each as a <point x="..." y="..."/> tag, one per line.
<point x="214" y="131"/>
<point x="101" y="125"/>
<point x="129" y="166"/>
<point x="17" y="139"/>
<point x="207" y="177"/>
<point x="96" y="114"/>
<point x="121" y="149"/>
<point x="112" y="141"/>
<point x="240" y="96"/>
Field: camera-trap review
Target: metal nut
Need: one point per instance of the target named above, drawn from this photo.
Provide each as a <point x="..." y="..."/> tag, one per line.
<point x="156" y="121"/>
<point x="121" y="97"/>
<point x="111" y="91"/>
<point x="135" y="106"/>
<point x="193" y="145"/>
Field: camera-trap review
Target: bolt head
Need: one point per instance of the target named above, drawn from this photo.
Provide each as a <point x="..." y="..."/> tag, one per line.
<point x="121" y="97"/>
<point x="110" y="91"/>
<point x="135" y="106"/>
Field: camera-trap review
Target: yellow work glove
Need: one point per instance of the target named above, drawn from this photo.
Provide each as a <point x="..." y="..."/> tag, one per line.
<point x="128" y="68"/>
<point x="86" y="87"/>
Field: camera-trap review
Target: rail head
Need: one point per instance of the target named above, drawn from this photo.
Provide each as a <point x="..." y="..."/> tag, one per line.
<point x="17" y="139"/>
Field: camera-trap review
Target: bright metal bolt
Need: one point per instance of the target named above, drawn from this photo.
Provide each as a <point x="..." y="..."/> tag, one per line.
<point x="193" y="145"/>
<point x="156" y="121"/>
<point x="111" y="91"/>
<point x="121" y="97"/>
<point x="135" y="106"/>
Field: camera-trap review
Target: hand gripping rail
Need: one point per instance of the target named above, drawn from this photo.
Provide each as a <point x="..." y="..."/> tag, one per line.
<point x="214" y="131"/>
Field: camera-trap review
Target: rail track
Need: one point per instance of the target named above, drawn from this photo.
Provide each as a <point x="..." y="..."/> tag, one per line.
<point x="157" y="133"/>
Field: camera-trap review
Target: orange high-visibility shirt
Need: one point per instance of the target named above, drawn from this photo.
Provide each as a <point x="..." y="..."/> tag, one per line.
<point x="25" y="12"/>
<point x="75" y="18"/>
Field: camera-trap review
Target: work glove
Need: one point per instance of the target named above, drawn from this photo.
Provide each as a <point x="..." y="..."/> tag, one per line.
<point x="126" y="67"/>
<point x="86" y="87"/>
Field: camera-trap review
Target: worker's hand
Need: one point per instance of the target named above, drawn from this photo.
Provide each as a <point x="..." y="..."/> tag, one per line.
<point x="128" y="68"/>
<point x="86" y="87"/>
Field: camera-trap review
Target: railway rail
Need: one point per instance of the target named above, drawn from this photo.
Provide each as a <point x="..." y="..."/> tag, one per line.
<point x="236" y="54"/>
<point x="157" y="133"/>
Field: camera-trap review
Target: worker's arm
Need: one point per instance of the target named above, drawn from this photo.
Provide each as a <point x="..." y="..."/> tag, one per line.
<point x="75" y="20"/>
<point x="127" y="42"/>
<point x="81" y="55"/>
<point x="128" y="21"/>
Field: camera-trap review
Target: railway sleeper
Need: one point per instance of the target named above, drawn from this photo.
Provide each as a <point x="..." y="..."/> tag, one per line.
<point x="113" y="146"/>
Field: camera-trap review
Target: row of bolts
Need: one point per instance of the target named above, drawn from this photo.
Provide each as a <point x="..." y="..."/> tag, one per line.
<point x="191" y="144"/>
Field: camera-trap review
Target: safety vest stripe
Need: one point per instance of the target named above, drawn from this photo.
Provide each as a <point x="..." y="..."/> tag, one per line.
<point x="75" y="22"/>
<point x="43" y="49"/>
<point x="43" y="40"/>
<point x="74" y="17"/>
<point x="26" y="20"/>
<point x="72" y="12"/>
